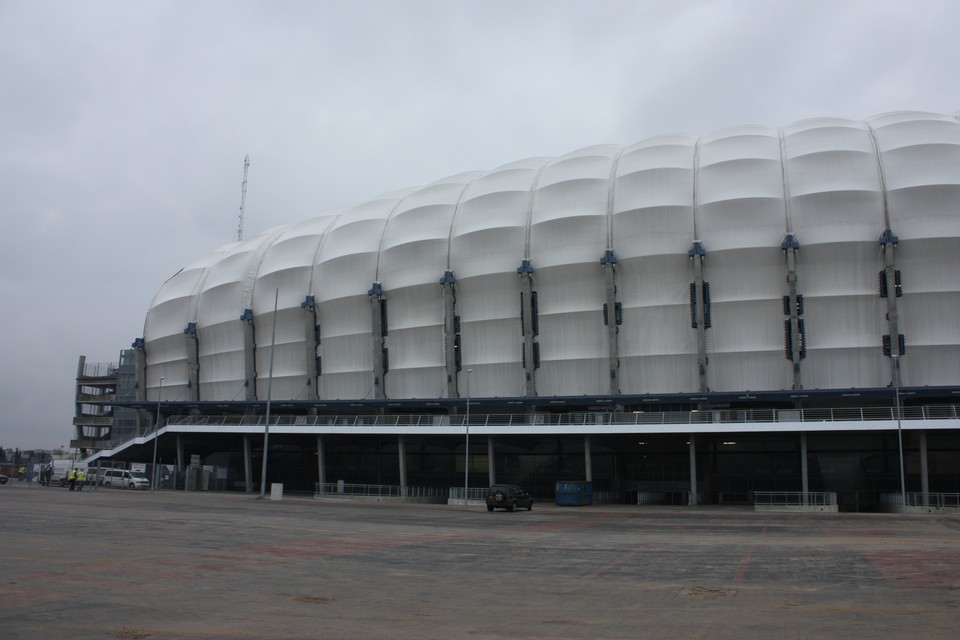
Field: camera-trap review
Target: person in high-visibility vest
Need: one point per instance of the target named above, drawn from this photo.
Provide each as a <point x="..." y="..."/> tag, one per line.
<point x="72" y="479"/>
<point x="81" y="479"/>
<point x="23" y="473"/>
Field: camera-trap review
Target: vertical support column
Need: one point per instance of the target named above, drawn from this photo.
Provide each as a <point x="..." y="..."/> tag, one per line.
<point x="699" y="311"/>
<point x="181" y="465"/>
<point x="140" y="373"/>
<point x="924" y="477"/>
<point x="890" y="289"/>
<point x="249" y="356"/>
<point x="804" y="477"/>
<point x="402" y="453"/>
<point x="452" y="354"/>
<point x="193" y="361"/>
<point x="491" y="464"/>
<point x="693" y="470"/>
<point x="587" y="460"/>
<point x="77" y="405"/>
<point x="529" y="326"/>
<point x="612" y="317"/>
<point x="321" y="462"/>
<point x="140" y="369"/>
<point x="793" y="308"/>
<point x="247" y="465"/>
<point x="311" y="337"/>
<point x="378" y="312"/>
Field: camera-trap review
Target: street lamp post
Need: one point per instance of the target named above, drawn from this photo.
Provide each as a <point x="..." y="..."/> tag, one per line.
<point x="896" y="392"/>
<point x="466" y="456"/>
<point x="266" y="423"/>
<point x="156" y="434"/>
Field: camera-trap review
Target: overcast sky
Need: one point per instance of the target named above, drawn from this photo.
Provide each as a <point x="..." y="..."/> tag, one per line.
<point x="124" y="124"/>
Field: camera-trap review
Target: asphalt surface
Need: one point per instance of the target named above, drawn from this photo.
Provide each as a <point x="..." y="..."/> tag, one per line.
<point x="117" y="563"/>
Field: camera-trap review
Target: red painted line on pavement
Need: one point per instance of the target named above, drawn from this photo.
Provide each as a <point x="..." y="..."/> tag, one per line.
<point x="743" y="564"/>
<point x="613" y="563"/>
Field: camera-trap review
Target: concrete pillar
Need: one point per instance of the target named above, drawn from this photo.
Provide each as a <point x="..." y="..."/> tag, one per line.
<point x="693" y="470"/>
<point x="608" y="264"/>
<point x="249" y="356"/>
<point x="377" y="335"/>
<point x="491" y="465"/>
<point x="888" y="242"/>
<point x="924" y="476"/>
<point x="310" y="335"/>
<point x="140" y="370"/>
<point x="587" y="464"/>
<point x="321" y="462"/>
<point x="193" y="361"/>
<point x="451" y="335"/>
<point x="529" y="327"/>
<point x="402" y="453"/>
<point x="247" y="465"/>
<point x="789" y="247"/>
<point x="804" y="478"/>
<point x="699" y="312"/>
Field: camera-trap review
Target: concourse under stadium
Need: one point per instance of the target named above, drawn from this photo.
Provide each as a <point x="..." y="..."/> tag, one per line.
<point x="641" y="452"/>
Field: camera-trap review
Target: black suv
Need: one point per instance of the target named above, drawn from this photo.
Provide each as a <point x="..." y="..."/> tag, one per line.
<point x="509" y="497"/>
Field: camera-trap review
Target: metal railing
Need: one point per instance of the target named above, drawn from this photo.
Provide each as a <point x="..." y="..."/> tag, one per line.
<point x="794" y="498"/>
<point x="933" y="500"/>
<point x="724" y="416"/>
<point x="474" y="494"/>
<point x="322" y="489"/>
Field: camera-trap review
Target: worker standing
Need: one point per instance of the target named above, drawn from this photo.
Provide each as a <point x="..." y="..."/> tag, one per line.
<point x="72" y="479"/>
<point x="81" y="479"/>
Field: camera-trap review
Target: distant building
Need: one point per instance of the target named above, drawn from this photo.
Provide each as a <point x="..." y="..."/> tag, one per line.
<point x="101" y="420"/>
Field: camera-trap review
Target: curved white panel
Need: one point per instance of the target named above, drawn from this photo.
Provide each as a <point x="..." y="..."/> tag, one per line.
<point x="487" y="244"/>
<point x="284" y="278"/>
<point x="920" y="155"/>
<point x="413" y="258"/>
<point x="745" y="342"/>
<point x="172" y="309"/>
<point x="653" y="198"/>
<point x="346" y="268"/>
<point x="489" y="230"/>
<point x="833" y="182"/>
<point x="227" y="291"/>
<point x="571" y="201"/>
<point x="740" y="201"/>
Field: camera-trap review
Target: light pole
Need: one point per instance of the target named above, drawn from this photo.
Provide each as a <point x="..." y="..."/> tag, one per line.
<point x="896" y="392"/>
<point x="156" y="434"/>
<point x="266" y="424"/>
<point x="466" y="454"/>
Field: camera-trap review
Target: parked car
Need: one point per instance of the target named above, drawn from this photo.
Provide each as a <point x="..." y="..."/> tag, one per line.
<point x="123" y="478"/>
<point x="509" y="497"/>
<point x="4" y="479"/>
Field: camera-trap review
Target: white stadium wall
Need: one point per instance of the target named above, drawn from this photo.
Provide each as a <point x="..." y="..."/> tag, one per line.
<point x="833" y="186"/>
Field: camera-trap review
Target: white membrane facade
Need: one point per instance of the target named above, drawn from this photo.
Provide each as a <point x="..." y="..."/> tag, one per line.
<point x="753" y="258"/>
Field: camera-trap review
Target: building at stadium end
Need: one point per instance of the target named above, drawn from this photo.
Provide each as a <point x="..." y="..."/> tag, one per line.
<point x="684" y="320"/>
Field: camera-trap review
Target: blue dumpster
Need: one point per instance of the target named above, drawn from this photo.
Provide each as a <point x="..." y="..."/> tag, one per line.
<point x="574" y="492"/>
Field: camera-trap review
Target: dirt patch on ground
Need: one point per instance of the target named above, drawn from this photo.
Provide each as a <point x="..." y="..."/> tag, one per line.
<point x="126" y="633"/>
<point x="314" y="599"/>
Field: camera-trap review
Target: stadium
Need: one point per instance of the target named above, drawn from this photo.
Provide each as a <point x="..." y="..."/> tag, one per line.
<point x="685" y="320"/>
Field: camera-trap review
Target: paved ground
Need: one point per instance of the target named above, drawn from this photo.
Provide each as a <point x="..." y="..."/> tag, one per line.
<point x="124" y="564"/>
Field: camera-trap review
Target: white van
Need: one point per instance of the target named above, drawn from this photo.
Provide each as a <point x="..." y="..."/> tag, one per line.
<point x="123" y="478"/>
<point x="57" y="472"/>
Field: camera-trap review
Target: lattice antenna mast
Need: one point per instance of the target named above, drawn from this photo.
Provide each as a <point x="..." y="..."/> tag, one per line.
<point x="243" y="196"/>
